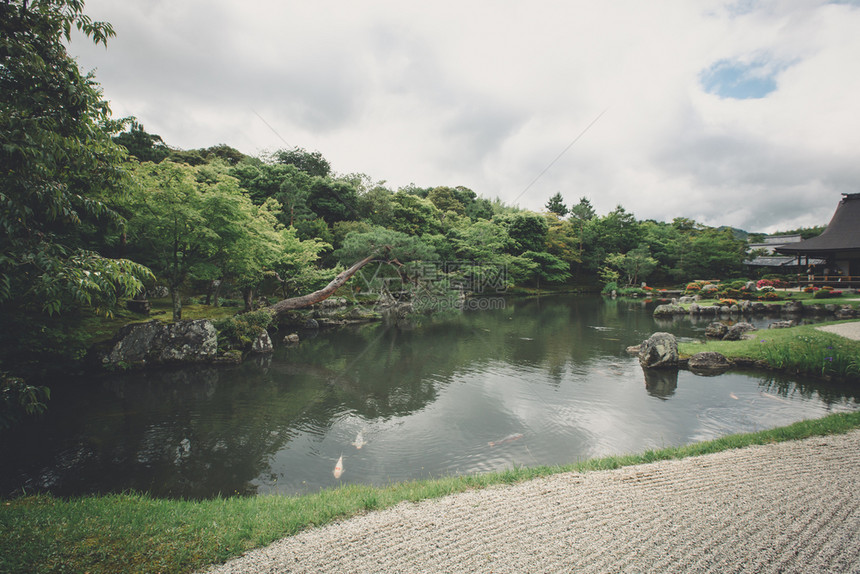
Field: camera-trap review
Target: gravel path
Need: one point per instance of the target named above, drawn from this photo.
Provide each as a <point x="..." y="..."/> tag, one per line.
<point x="848" y="330"/>
<point x="787" y="507"/>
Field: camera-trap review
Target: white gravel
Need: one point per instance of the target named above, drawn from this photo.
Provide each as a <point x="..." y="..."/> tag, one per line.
<point x="848" y="330"/>
<point x="788" y="507"/>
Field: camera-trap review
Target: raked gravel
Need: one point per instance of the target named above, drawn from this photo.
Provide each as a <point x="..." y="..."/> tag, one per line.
<point x="786" y="507"/>
<point x="848" y="330"/>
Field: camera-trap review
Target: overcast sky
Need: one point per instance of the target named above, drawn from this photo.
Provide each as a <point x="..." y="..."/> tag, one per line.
<point x="741" y="113"/>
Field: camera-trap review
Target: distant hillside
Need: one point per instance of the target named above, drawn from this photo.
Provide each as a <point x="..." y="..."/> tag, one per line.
<point x="755" y="237"/>
<point x="738" y="233"/>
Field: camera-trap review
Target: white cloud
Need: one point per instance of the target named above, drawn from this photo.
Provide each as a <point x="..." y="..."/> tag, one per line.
<point x="486" y="94"/>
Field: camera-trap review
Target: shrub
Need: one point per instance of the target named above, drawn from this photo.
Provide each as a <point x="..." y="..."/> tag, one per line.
<point x="827" y="294"/>
<point x="771" y="282"/>
<point x="728" y="302"/>
<point x="731" y="293"/>
<point x="691" y="287"/>
<point x="610" y="287"/>
<point x="240" y="331"/>
<point x="810" y="289"/>
<point x="708" y="291"/>
<point x="769" y="296"/>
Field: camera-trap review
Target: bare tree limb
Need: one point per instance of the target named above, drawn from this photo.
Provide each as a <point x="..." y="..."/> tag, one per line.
<point x="317" y="296"/>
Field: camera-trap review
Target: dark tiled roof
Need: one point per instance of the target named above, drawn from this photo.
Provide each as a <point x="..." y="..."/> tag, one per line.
<point x="842" y="233"/>
<point x="784" y="261"/>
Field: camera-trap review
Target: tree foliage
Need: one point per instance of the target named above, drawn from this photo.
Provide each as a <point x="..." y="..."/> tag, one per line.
<point x="56" y="160"/>
<point x="556" y="205"/>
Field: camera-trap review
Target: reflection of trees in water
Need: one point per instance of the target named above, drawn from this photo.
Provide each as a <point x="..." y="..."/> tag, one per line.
<point x="828" y="393"/>
<point x="188" y="433"/>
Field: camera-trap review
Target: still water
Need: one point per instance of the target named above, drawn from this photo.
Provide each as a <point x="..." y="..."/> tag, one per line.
<point x="540" y="381"/>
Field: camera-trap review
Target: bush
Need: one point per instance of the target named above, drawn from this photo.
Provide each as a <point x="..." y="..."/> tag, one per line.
<point x="728" y="302"/>
<point x="827" y="294"/>
<point x="708" y="291"/>
<point x="610" y="287"/>
<point x="769" y="296"/>
<point x="766" y="289"/>
<point x="240" y="331"/>
<point x="731" y="293"/>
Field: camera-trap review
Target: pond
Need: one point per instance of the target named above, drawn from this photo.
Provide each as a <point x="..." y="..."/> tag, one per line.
<point x="516" y="382"/>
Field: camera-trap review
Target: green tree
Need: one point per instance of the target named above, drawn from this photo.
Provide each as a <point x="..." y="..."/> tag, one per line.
<point x="637" y="264"/>
<point x="413" y="215"/>
<point x="333" y="200"/>
<point x="556" y="205"/>
<point x="445" y="199"/>
<point x="312" y="163"/>
<point x="480" y="209"/>
<point x="142" y="145"/>
<point x="548" y="268"/>
<point x="529" y="230"/>
<point x="167" y="227"/>
<point x="375" y="206"/>
<point x="563" y="239"/>
<point x="713" y="253"/>
<point x="583" y="210"/>
<point x="56" y="161"/>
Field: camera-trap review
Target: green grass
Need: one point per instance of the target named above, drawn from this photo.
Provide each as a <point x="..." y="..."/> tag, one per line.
<point x="136" y="533"/>
<point x="803" y="349"/>
<point x="791" y="296"/>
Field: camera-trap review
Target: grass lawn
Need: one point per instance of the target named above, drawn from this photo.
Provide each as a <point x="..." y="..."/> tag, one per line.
<point x="803" y="349"/>
<point x="136" y="533"/>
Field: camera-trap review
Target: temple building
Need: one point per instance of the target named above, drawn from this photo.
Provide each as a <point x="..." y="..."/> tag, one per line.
<point x="838" y="246"/>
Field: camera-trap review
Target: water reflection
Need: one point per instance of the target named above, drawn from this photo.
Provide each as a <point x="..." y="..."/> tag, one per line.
<point x="438" y="398"/>
<point x="661" y="383"/>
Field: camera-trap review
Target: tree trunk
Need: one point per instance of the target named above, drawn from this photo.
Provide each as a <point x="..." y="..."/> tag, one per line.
<point x="248" y="296"/>
<point x="217" y="294"/>
<point x="317" y="296"/>
<point x="176" y="297"/>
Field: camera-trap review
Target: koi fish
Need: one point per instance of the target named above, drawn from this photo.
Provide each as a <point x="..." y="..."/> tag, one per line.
<point x="359" y="440"/>
<point x="507" y="439"/>
<point x="774" y="397"/>
<point x="338" y="468"/>
<point x="734" y="396"/>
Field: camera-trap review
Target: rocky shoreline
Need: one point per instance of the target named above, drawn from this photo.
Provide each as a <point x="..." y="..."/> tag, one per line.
<point x="690" y="306"/>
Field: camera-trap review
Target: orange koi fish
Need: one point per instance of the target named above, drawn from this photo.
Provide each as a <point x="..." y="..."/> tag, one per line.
<point x="507" y="439"/>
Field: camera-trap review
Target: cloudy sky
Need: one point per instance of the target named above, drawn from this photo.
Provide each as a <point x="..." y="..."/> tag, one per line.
<point x="743" y="113"/>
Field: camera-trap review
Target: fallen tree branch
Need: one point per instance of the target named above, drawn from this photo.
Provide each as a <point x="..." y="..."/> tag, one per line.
<point x="324" y="293"/>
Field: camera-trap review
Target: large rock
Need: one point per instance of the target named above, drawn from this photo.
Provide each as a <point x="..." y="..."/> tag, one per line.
<point x="158" y="343"/>
<point x="660" y="350"/>
<point x="262" y="344"/>
<point x="792" y="307"/>
<point x="188" y="342"/>
<point x="737" y="331"/>
<point x="667" y="310"/>
<point x="716" y="330"/>
<point x="133" y="343"/>
<point x="708" y="363"/>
